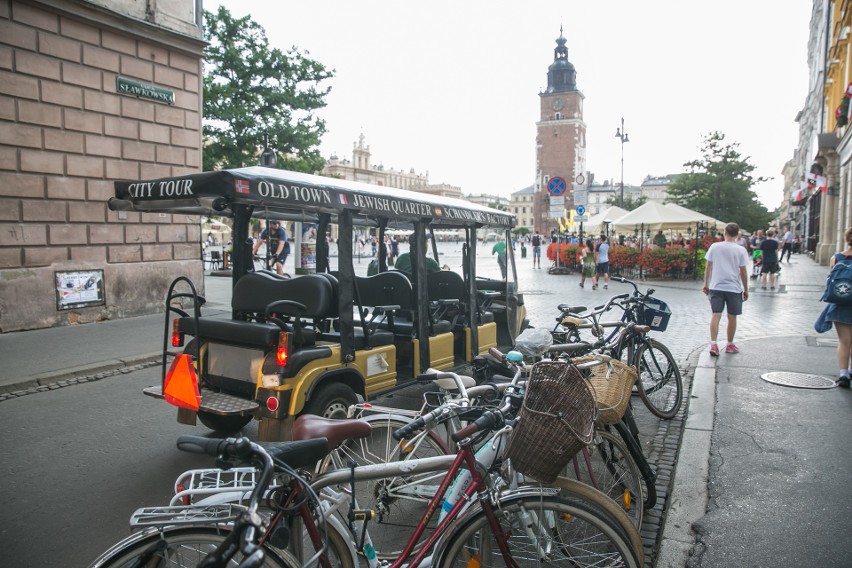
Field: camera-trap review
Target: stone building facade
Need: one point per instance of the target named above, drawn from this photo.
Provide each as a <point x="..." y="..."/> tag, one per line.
<point x="92" y="92"/>
<point x="361" y="168"/>
<point x="561" y="135"/>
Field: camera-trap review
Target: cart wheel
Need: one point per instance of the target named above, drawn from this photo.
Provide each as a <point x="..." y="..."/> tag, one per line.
<point x="331" y="401"/>
<point x="223" y="424"/>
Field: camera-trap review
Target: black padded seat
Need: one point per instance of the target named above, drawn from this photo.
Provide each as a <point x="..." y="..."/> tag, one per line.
<point x="448" y="285"/>
<point x="257" y="290"/>
<point x="378" y="338"/>
<point x="405" y="327"/>
<point x="252" y="297"/>
<point x="248" y="333"/>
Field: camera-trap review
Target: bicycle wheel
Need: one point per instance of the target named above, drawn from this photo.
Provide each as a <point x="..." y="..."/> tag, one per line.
<point x="541" y="530"/>
<point x="660" y="384"/>
<point x="337" y="545"/>
<point x="613" y="472"/>
<point x="184" y="547"/>
<point x="634" y="448"/>
<point x="398" y="502"/>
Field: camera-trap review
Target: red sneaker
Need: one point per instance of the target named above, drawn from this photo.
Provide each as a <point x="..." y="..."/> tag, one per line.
<point x="714" y="350"/>
<point x="731" y="348"/>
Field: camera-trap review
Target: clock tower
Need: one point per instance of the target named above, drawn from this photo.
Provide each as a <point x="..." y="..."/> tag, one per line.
<point x="560" y="138"/>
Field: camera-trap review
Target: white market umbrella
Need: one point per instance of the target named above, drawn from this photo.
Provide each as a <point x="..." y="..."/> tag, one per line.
<point x="654" y="216"/>
<point x="596" y="224"/>
<point x="697" y="217"/>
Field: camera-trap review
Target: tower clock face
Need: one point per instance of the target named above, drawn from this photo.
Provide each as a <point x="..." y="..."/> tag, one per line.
<point x="558" y="103"/>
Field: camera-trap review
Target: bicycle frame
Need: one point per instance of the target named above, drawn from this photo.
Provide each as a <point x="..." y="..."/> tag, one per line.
<point x="464" y="459"/>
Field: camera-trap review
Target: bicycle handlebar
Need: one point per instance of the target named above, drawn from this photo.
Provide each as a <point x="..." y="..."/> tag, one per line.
<point x="427" y="419"/>
<point x="636" y="291"/>
<point x="489" y="420"/>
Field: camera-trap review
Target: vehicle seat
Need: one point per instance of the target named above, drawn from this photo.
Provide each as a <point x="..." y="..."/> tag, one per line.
<point x="374" y="336"/>
<point x="447" y="292"/>
<point x="254" y="298"/>
<point x="393" y="289"/>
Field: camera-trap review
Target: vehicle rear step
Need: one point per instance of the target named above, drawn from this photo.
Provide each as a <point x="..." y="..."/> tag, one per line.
<point x="215" y="402"/>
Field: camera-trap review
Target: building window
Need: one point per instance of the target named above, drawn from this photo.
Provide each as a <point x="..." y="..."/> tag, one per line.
<point x="523" y="209"/>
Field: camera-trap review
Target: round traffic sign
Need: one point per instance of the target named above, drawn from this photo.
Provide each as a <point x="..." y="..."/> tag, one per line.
<point x="556" y="186"/>
<point x="581" y="210"/>
<point x="581" y="179"/>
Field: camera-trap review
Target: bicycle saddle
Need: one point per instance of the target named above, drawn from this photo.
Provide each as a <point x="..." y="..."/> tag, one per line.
<point x="569" y="309"/>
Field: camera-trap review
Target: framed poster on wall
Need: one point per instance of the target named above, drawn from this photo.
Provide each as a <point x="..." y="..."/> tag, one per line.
<point x="79" y="289"/>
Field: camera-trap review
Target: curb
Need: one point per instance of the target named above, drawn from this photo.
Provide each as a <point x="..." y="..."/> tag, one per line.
<point x="43" y="379"/>
<point x="689" y="490"/>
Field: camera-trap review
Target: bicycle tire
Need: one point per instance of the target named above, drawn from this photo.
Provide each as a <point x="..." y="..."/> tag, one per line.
<point x="337" y="545"/>
<point x="660" y="382"/>
<point x="185" y="547"/>
<point x="399" y="503"/>
<point x="571" y="532"/>
<point x="616" y="474"/>
<point x="634" y="448"/>
<point x="573" y="488"/>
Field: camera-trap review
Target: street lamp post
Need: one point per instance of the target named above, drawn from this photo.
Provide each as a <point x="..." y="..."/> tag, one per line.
<point x="622" y="135"/>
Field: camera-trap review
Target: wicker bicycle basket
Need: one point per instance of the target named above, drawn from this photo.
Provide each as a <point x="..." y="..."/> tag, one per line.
<point x="612" y="383"/>
<point x="556" y="421"/>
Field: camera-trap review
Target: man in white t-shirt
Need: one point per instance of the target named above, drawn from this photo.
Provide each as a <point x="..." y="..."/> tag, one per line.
<point x="726" y="284"/>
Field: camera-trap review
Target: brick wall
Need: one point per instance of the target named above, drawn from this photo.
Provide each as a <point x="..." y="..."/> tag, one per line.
<point x="66" y="135"/>
<point x="560" y="148"/>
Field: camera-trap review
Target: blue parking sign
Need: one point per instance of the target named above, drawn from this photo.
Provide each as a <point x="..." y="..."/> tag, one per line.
<point x="581" y="210"/>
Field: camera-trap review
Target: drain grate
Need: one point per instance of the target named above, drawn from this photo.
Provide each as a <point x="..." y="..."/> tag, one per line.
<point x="798" y="380"/>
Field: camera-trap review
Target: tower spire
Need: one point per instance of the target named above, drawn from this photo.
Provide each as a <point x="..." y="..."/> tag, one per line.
<point x="561" y="75"/>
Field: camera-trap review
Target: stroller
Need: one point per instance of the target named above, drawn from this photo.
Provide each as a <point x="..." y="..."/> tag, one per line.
<point x="757" y="260"/>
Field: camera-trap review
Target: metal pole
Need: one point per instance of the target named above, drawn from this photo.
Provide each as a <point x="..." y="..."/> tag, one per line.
<point x="622" y="135"/>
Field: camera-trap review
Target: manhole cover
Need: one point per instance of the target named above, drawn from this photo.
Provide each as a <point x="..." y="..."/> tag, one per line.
<point x="798" y="380"/>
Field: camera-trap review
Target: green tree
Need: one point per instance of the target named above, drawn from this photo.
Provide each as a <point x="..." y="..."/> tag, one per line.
<point x="719" y="185"/>
<point x="520" y="231"/>
<point x="251" y="88"/>
<point x="629" y="202"/>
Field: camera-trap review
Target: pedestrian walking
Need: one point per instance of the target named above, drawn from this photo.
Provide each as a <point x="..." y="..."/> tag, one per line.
<point x="787" y="245"/>
<point x="726" y="285"/>
<point x="499" y="249"/>
<point x="601" y="263"/>
<point x="536" y="246"/>
<point x="587" y="262"/>
<point x="841" y="317"/>
<point x="769" y="259"/>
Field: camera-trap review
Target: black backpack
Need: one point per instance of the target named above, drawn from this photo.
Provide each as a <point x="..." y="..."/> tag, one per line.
<point x="536" y="241"/>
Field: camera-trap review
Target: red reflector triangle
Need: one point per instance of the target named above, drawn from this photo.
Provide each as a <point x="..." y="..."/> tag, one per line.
<point x="181" y="388"/>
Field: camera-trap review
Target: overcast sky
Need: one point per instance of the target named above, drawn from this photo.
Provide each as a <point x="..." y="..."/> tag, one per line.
<point x="451" y="87"/>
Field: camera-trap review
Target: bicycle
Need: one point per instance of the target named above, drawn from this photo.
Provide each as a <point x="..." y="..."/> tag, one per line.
<point x="597" y="529"/>
<point x="210" y="536"/>
<point x="625" y="425"/>
<point x="659" y="384"/>
<point x="606" y="465"/>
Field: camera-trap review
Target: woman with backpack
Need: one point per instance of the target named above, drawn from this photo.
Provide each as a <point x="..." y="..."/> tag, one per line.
<point x="841" y="316"/>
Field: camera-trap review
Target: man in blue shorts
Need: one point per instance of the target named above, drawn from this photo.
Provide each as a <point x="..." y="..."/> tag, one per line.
<point x="536" y="246"/>
<point x="726" y="284"/>
<point x="601" y="263"/>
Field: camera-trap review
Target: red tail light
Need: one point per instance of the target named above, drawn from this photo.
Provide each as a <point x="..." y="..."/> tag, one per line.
<point x="177" y="337"/>
<point x="281" y="355"/>
<point x="272" y="404"/>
